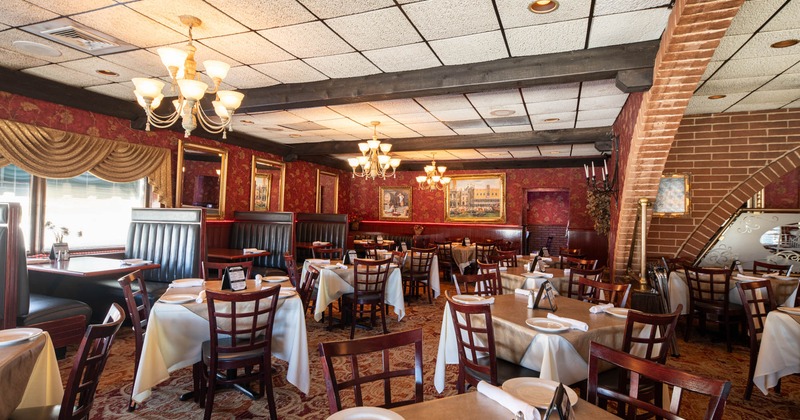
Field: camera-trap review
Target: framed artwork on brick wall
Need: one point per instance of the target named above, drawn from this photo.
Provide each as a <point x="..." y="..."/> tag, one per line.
<point x="673" y="198"/>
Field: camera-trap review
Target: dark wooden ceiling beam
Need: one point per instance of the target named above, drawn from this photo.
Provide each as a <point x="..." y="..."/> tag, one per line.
<point x="568" y="162"/>
<point x="516" y="72"/>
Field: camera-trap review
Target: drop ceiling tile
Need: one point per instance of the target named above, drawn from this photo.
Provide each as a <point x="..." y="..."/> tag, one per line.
<point x="460" y="125"/>
<point x="466" y="154"/>
<point x="320" y="113"/>
<point x="438" y="19"/>
<point x="525" y="153"/>
<point x="554" y="126"/>
<point x="795" y="104"/>
<point x="418" y="117"/>
<point x="598" y="114"/>
<point x="502" y="111"/>
<point x="117" y="90"/>
<point x="563" y="117"/>
<point x="326" y="9"/>
<point x="344" y="125"/>
<point x="700" y="104"/>
<point x="356" y="110"/>
<point x="609" y="7"/>
<point x="202" y="54"/>
<point x="595" y="123"/>
<point x="515" y="13"/>
<point x="398" y="106"/>
<point x="456" y="114"/>
<point x="68" y="7"/>
<point x="495" y="155"/>
<point x="547" y="93"/>
<point x="794" y="69"/>
<point x="512" y="128"/>
<point x="550" y="150"/>
<point x="243" y="77"/>
<point x="312" y="39"/>
<point x="91" y="65"/>
<point x="145" y="63"/>
<point x="444" y="102"/>
<point x="783" y="81"/>
<point x="759" y="106"/>
<point x="19" y="13"/>
<point x="275" y="118"/>
<point x="498" y="98"/>
<point x="259" y="14"/>
<point x="599" y="88"/>
<point x="403" y="58"/>
<point x="304" y="126"/>
<point x="641" y="25"/>
<point x="466" y="49"/>
<point x="759" y="45"/>
<point x="507" y="121"/>
<point x="751" y="15"/>
<point x="604" y="102"/>
<point x="783" y="97"/>
<point x="14" y="60"/>
<point x="8" y="37"/>
<point x="368" y="31"/>
<point x="117" y="21"/>
<point x="430" y="126"/>
<point x="215" y="23"/>
<point x="292" y="71"/>
<point x="728" y="45"/>
<point x="586" y="149"/>
<point x="65" y="75"/>
<point x="723" y="86"/>
<point x="343" y="65"/>
<point x="565" y="105"/>
<point x="754" y="67"/>
<point x="548" y="38"/>
<point x="334" y="135"/>
<point x="436" y="133"/>
<point x="247" y="48"/>
<point x="785" y="19"/>
<point x="712" y="67"/>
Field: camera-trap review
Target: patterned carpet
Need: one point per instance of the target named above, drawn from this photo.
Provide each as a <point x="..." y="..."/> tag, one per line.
<point x="700" y="356"/>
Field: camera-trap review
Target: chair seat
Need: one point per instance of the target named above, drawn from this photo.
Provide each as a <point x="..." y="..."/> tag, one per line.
<point x="733" y="308"/>
<point x="364" y="299"/>
<point x="50" y="308"/>
<point x="229" y="357"/>
<point x="37" y="413"/>
<point x="505" y="371"/>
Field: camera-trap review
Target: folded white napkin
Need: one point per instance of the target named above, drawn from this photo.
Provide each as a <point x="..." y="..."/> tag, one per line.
<point x="748" y="278"/>
<point x="574" y="323"/>
<point x="567" y="271"/>
<point x="38" y="260"/>
<point x="319" y="243"/>
<point x="598" y="309"/>
<point x="318" y="261"/>
<point x="201" y="297"/>
<point x="509" y="401"/>
<point x="525" y="292"/>
<point x="252" y="251"/>
<point x="336" y="266"/>
<point x="186" y="283"/>
<point x="547" y="259"/>
<point x="545" y="275"/>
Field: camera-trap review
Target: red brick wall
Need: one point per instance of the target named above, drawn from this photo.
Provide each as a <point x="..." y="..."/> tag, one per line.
<point x="721" y="151"/>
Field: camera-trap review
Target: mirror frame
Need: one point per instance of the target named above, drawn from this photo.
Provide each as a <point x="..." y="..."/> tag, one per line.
<point x="335" y="191"/>
<point x="253" y="172"/>
<point x="223" y="176"/>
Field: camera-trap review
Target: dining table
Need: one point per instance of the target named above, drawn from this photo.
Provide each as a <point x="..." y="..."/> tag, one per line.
<point x="29" y="374"/>
<point x="176" y="332"/>
<point x="779" y="354"/>
<point x="463" y="255"/>
<point x="513" y="278"/>
<point x="561" y="357"/>
<point x="784" y="288"/>
<point x="231" y="254"/>
<point x="93" y="267"/>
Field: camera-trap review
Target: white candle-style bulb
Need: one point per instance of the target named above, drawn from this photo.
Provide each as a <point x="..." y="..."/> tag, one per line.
<point x="586" y="170"/>
<point x="593" y="175"/>
<point x="605" y="166"/>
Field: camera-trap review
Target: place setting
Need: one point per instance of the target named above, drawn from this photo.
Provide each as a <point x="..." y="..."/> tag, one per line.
<point x="13" y="336"/>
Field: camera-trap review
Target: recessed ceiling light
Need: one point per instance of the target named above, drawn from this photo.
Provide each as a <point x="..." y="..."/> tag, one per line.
<point x="555" y="153"/>
<point x="543" y="6"/>
<point x="785" y="43"/>
<point x="502" y="112"/>
<point x="246" y="122"/>
<point x="273" y="129"/>
<point x="550" y="120"/>
<point x="107" y="73"/>
<point x="36" y="48"/>
<point x="294" y="136"/>
<point x="717" y="96"/>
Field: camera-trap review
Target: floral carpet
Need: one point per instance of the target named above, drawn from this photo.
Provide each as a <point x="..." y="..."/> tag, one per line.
<point x="700" y="356"/>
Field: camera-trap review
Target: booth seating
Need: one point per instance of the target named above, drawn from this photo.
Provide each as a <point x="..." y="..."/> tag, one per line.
<point x="270" y="231"/>
<point x="173" y="238"/>
<point x="321" y="227"/>
<point x="64" y="319"/>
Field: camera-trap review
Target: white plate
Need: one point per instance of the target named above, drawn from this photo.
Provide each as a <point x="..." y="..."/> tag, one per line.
<point x="133" y="261"/>
<point x="178" y="298"/>
<point x="537" y="392"/>
<point x="187" y="282"/>
<point x="547" y="325"/>
<point x="283" y="294"/>
<point x="334" y="267"/>
<point x="275" y="279"/>
<point x="618" y="312"/>
<point x="18" y="335"/>
<point x="473" y="300"/>
<point x="789" y="310"/>
<point x="365" y="413"/>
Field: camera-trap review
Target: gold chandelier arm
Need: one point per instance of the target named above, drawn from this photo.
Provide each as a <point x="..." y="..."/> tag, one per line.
<point x="210" y="125"/>
<point x="160" y="121"/>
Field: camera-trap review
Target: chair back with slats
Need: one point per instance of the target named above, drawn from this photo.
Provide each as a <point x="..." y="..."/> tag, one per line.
<point x="248" y="316"/>
<point x="483" y="250"/>
<point x="399" y="258"/>
<point x="768" y="267"/>
<point x="487" y="284"/>
<point x="370" y="279"/>
<point x="639" y="369"/>
<point x="474" y="332"/>
<point x="291" y="269"/>
<point x="370" y="250"/>
<point x="757" y="301"/>
<point x="504" y="258"/>
<point x="215" y="270"/>
<point x="579" y="263"/>
<point x="421" y="260"/>
<point x="306" y="289"/>
<point x="352" y="349"/>
<point x="654" y="344"/>
<point x="444" y="250"/>
<point x="601" y="293"/>
<point x="575" y="273"/>
<point x="328" y="253"/>
<point x="708" y="286"/>
<point x="138" y="305"/>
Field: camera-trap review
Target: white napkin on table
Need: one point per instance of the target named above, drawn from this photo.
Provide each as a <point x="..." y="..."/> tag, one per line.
<point x="336" y="266"/>
<point x="187" y="283"/>
<point x="318" y="261"/>
<point x="509" y="401"/>
<point x="525" y="292"/>
<point x="574" y="323"/>
<point x="546" y="259"/>
<point x="748" y="278"/>
<point x="545" y="275"/>
<point x="598" y="309"/>
<point x="201" y="297"/>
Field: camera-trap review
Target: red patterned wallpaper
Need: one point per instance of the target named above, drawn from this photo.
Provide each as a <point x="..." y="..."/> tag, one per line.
<point x="548" y="208"/>
<point x="784" y="193"/>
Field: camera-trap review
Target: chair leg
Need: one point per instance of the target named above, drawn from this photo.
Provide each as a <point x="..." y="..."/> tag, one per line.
<point x="353" y="321"/>
<point x="383" y="318"/>
<point x="212" y="385"/>
<point x="753" y="358"/>
<point x="728" y="333"/>
<point x="273" y="410"/>
<point x="689" y="322"/>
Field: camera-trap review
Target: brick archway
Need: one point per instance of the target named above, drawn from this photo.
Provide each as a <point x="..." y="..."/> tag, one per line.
<point x="734" y="199"/>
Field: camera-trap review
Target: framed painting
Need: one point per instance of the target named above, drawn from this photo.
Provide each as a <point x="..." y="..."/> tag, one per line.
<point x="395" y="203"/>
<point x="476" y="198"/>
<point x="262" y="184"/>
<point x="672" y="199"/>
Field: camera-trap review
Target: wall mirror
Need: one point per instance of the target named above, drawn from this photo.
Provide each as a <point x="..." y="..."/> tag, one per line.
<point x="202" y="171"/>
<point x="327" y="192"/>
<point x="266" y="185"/>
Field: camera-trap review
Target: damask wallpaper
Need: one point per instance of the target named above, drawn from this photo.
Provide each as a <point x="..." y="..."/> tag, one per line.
<point x="784" y="193"/>
<point x="549" y="208"/>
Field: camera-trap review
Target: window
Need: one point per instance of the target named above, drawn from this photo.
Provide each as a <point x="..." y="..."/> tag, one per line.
<point x="15" y="187"/>
<point x="96" y="212"/>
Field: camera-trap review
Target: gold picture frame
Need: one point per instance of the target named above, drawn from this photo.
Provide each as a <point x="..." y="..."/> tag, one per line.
<point x="323" y="205"/>
<point x="673" y="197"/>
<point x="262" y="188"/>
<point x="276" y="171"/>
<point x="201" y="178"/>
<point x="395" y="203"/>
<point x="476" y="198"/>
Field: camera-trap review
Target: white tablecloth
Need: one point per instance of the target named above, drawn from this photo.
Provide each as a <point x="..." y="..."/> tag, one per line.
<point x="175" y="335"/>
<point x="463" y="256"/>
<point x="678" y="291"/>
<point x="779" y="354"/>
<point x="332" y="284"/>
<point x="44" y="385"/>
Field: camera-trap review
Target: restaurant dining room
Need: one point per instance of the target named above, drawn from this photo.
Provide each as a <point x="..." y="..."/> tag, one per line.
<point x="400" y="209"/>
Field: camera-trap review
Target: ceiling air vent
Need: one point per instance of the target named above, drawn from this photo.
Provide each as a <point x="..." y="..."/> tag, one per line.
<point x="80" y="37"/>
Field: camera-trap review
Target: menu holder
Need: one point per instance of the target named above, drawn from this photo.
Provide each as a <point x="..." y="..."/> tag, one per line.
<point x="60" y="252"/>
<point x="234" y="279"/>
<point x="544" y="252"/>
<point x="560" y="405"/>
<point x="534" y="264"/>
<point x="546" y="292"/>
<point x="466" y="242"/>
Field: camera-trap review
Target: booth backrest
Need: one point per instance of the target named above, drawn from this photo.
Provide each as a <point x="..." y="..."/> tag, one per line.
<point x="270" y="231"/>
<point x="322" y="227"/>
<point x="13" y="267"/>
<point x="173" y="238"/>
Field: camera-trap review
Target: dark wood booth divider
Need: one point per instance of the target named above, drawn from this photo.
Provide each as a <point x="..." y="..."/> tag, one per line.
<point x="441" y="231"/>
<point x="312" y="227"/>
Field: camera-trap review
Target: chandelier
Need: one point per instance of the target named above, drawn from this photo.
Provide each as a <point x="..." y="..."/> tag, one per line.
<point x="434" y="178"/>
<point x="374" y="161"/>
<point x="183" y="73"/>
<point x="606" y="186"/>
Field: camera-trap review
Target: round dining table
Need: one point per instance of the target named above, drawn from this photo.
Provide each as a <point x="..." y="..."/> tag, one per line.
<point x="29" y="374"/>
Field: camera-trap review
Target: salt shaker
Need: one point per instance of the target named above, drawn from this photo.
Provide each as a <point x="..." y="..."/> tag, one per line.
<point x="530" y="300"/>
<point x="258" y="280"/>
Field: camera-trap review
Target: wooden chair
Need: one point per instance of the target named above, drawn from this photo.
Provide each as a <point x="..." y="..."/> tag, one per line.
<point x="291" y="269"/>
<point x="493" y="269"/>
<point x="708" y="294"/>
<point x="351" y="349"/>
<point x="306" y="288"/>
<point x="138" y="306"/>
<point x="769" y="268"/>
<point x="477" y="359"/>
<point x="87" y="367"/>
<point x="677" y="263"/>
<point x="370" y="250"/>
<point x="575" y="273"/>
<point x="444" y="254"/>
<point x="601" y="293"/>
<point x="215" y="270"/>
<point x="248" y="316"/>
<point x="327" y="253"/>
<point x="369" y="286"/>
<point x="478" y="284"/>
<point x="483" y="250"/>
<point x="418" y="276"/>
<point x="639" y="368"/>
<point x="399" y="258"/>
<point x="757" y="301"/>
<point x="504" y="258"/>
<point x="564" y="253"/>
<point x="579" y="263"/>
